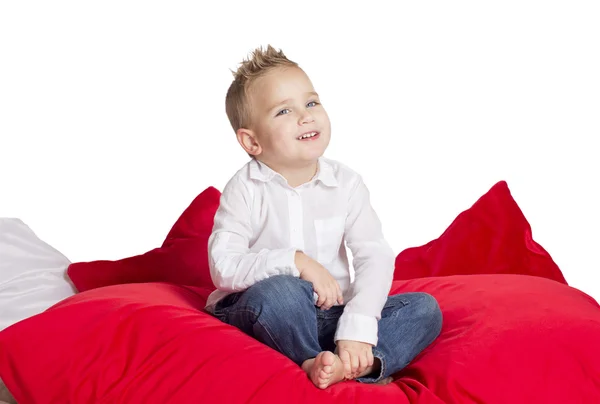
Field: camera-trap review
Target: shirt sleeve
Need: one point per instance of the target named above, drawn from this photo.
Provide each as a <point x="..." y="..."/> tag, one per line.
<point x="373" y="262"/>
<point x="233" y="268"/>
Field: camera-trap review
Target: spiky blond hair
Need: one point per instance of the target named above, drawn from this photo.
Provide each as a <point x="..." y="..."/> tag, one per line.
<point x="237" y="105"/>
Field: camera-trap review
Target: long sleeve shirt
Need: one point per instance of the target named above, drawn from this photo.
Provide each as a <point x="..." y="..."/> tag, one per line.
<point x="262" y="221"/>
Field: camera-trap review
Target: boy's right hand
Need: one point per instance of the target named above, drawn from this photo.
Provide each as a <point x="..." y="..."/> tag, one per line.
<point x="326" y="287"/>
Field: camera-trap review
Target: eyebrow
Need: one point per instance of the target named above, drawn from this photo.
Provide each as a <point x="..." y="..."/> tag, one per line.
<point x="310" y="93"/>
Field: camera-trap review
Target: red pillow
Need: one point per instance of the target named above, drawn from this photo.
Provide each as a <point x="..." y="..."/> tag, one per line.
<point x="182" y="259"/>
<point x="491" y="237"/>
<point x="150" y="343"/>
<point x="506" y="339"/>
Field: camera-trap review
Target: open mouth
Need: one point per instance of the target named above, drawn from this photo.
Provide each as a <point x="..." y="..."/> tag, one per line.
<point x="309" y="136"/>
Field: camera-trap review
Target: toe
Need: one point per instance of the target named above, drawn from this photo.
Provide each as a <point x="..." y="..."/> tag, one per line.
<point x="328" y="359"/>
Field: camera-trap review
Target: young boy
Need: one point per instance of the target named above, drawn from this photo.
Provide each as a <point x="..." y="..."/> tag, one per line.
<point x="277" y="254"/>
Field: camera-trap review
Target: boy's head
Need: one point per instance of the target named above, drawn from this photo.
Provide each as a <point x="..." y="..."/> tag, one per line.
<point x="275" y="111"/>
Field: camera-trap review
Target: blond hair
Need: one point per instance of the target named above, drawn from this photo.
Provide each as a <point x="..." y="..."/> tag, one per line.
<point x="237" y="105"/>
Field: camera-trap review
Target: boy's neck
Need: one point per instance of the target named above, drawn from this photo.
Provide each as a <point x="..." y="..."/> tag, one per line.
<point x="296" y="176"/>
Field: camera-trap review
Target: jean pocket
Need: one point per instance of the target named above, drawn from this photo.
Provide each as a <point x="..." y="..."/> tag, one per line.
<point x="224" y="305"/>
<point x="330" y="233"/>
<point x="396" y="301"/>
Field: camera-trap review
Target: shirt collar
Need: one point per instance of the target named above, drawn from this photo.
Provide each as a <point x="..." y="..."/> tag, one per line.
<point x="261" y="172"/>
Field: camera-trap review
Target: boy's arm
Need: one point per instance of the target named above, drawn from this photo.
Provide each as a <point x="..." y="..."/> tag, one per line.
<point x="373" y="262"/>
<point x="233" y="267"/>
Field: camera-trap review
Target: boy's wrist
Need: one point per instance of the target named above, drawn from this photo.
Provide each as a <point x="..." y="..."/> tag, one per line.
<point x="300" y="260"/>
<point x="357" y="327"/>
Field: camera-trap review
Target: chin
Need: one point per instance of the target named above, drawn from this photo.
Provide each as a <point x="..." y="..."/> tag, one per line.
<point x="315" y="154"/>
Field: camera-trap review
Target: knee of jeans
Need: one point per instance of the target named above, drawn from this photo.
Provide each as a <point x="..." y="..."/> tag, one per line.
<point x="429" y="310"/>
<point x="282" y="292"/>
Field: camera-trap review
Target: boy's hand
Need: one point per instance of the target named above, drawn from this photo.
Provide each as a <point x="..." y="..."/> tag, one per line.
<point x="326" y="287"/>
<point x="356" y="357"/>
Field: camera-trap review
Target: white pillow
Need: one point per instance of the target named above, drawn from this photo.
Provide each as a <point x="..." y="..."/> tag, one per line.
<point x="32" y="273"/>
<point x="5" y="396"/>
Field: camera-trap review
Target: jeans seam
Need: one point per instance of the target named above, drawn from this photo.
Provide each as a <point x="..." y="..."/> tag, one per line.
<point x="244" y="310"/>
<point x="247" y="309"/>
<point x="270" y="334"/>
<point x="268" y="331"/>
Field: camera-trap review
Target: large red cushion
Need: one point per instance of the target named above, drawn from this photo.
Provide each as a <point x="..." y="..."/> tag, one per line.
<point x="506" y="339"/>
<point x="491" y="237"/>
<point x="182" y="259"/>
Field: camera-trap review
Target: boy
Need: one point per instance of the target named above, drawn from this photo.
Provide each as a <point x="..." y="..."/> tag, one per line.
<point x="277" y="254"/>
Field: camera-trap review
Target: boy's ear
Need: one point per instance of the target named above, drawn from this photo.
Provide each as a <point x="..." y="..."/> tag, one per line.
<point x="247" y="139"/>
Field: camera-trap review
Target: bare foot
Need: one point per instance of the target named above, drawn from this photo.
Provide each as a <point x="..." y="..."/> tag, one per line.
<point x="324" y="370"/>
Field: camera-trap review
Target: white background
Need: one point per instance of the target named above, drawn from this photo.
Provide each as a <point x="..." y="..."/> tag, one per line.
<point x="112" y="114"/>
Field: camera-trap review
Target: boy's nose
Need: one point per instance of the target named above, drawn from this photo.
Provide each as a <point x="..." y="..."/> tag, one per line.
<point x="306" y="118"/>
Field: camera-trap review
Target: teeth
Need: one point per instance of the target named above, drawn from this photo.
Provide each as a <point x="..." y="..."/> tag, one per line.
<point x="307" y="135"/>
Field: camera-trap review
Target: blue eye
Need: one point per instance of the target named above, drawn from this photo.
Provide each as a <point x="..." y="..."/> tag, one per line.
<point x="283" y="112"/>
<point x="312" y="104"/>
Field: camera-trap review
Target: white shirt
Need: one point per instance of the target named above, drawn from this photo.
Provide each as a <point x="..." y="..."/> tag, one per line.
<point x="262" y="221"/>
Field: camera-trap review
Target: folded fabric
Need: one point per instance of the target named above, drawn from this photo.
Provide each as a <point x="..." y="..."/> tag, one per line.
<point x="32" y="273"/>
<point x="491" y="237"/>
<point x="182" y="259"/>
<point x="506" y="339"/>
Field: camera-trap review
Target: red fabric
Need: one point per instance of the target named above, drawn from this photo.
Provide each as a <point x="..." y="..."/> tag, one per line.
<point x="197" y="220"/>
<point x="506" y="339"/>
<point x="491" y="237"/>
<point x="182" y="259"/>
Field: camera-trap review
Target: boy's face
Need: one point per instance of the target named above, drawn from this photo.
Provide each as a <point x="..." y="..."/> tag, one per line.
<point x="289" y="124"/>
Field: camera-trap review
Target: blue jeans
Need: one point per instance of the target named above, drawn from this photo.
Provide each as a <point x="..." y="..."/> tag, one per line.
<point x="280" y="313"/>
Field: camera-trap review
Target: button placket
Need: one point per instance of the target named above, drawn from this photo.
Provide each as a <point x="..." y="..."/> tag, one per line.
<point x="296" y="220"/>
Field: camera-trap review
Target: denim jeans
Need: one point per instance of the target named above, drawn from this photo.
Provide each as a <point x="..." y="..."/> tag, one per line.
<point x="280" y="312"/>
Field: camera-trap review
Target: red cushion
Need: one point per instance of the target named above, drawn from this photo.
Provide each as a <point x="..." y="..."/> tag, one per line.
<point x="506" y="339"/>
<point x="148" y="343"/>
<point x="198" y="219"/>
<point x="509" y="339"/>
<point x="491" y="237"/>
<point x="182" y="259"/>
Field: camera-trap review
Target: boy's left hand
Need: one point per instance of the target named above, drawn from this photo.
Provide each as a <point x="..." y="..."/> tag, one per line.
<point x="356" y="357"/>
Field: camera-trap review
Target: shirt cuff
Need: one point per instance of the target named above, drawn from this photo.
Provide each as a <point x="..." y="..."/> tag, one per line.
<point x="357" y="327"/>
<point x="283" y="261"/>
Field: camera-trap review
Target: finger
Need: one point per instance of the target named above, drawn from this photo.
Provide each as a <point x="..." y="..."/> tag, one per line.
<point x="340" y="296"/>
<point x="356" y="371"/>
<point x="326" y="299"/>
<point x="345" y="358"/>
<point x="370" y="358"/>
<point x="336" y="292"/>
<point x="330" y="299"/>
<point x="321" y="297"/>
<point x="355" y="362"/>
<point x="362" y="364"/>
